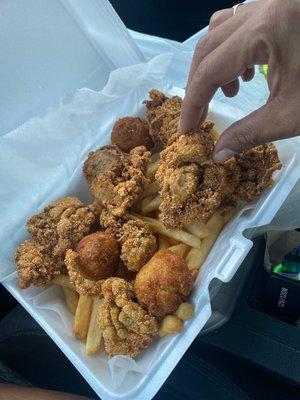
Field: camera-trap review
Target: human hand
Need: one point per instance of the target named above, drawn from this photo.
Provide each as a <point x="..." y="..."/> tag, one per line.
<point x="263" y="32"/>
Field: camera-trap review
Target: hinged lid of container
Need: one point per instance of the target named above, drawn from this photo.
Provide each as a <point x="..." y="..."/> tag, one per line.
<point x="51" y="47"/>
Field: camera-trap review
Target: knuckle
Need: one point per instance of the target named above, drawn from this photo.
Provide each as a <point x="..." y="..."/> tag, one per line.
<point x="215" y="19"/>
<point x="201" y="47"/>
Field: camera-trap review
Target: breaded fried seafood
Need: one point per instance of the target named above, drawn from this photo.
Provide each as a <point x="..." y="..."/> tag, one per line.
<point x="257" y="166"/>
<point x="119" y="187"/>
<point x="127" y="327"/>
<point x="157" y="99"/>
<point x="138" y="244"/>
<point x="84" y="286"/>
<point x="163" y="283"/>
<point x="56" y="229"/>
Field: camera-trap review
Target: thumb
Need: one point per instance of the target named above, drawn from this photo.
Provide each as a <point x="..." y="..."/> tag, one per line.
<point x="268" y="123"/>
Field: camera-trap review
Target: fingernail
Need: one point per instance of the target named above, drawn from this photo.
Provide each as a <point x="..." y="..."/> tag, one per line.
<point x="223" y="155"/>
<point x="179" y="125"/>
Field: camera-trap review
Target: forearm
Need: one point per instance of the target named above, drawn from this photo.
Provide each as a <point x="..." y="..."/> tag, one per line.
<point x="13" y="392"/>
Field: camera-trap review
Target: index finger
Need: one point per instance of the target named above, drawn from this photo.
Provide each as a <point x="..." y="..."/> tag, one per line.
<point x="219" y="68"/>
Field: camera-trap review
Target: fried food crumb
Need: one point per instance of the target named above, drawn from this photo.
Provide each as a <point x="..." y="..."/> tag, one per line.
<point x="127" y="327"/>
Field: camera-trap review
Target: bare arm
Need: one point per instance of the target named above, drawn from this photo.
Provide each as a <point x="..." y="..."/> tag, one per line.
<point x="263" y="32"/>
<point x="12" y="392"/>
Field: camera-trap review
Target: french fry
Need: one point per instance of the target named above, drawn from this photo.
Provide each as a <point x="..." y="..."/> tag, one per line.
<point x="180" y="249"/>
<point x="215" y="223"/>
<point x="215" y="135"/>
<point x="228" y="214"/>
<point x="155" y="157"/>
<point x="82" y="317"/>
<point x="94" y="336"/>
<point x="149" y="204"/>
<point x="198" y="229"/>
<point x="185" y="311"/>
<point x="194" y="273"/>
<point x="71" y="299"/>
<point x="173" y="242"/>
<point x="64" y="281"/>
<point x="151" y="169"/>
<point x="170" y="324"/>
<point x="163" y="242"/>
<point x="196" y="257"/>
<point x="158" y="227"/>
<point x="153" y="188"/>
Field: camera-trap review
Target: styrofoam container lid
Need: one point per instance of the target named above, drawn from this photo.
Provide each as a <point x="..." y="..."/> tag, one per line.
<point x="51" y="47"/>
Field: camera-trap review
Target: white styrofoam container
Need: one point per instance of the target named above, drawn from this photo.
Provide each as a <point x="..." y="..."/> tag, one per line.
<point x="93" y="114"/>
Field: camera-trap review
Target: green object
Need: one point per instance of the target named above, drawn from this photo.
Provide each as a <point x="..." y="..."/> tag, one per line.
<point x="264" y="70"/>
<point x="290" y="265"/>
<point x="277" y="269"/>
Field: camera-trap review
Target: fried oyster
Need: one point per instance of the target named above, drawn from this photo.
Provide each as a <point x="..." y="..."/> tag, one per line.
<point x="127" y="327"/>
<point x="192" y="187"/>
<point x="138" y="244"/>
<point x="257" y="166"/>
<point x="118" y="182"/>
<point x="56" y="229"/>
<point x="157" y="99"/>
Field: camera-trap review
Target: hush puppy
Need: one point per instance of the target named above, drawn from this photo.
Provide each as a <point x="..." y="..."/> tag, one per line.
<point x="163" y="283"/>
<point x="98" y="256"/>
<point x="131" y="132"/>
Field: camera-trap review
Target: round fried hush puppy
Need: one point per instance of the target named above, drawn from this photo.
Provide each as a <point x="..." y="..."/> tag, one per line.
<point x="131" y="132"/>
<point x="98" y="256"/>
<point x="163" y="283"/>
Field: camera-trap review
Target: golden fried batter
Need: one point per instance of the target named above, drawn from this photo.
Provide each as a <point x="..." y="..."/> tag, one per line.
<point x="195" y="147"/>
<point x="138" y="244"/>
<point x="127" y="327"/>
<point x="34" y="265"/>
<point x="98" y="256"/>
<point x="157" y="99"/>
<point x="131" y="132"/>
<point x="179" y="185"/>
<point x="120" y="187"/>
<point x="193" y="187"/>
<point x="86" y="287"/>
<point x="193" y="192"/>
<point x="56" y="229"/>
<point x="111" y="224"/>
<point x="257" y="166"/>
<point x="163" y="283"/>
<point x="100" y="161"/>
<point x="164" y="122"/>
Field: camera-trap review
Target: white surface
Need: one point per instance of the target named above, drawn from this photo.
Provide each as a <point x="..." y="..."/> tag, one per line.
<point x="51" y="47"/>
<point x="41" y="160"/>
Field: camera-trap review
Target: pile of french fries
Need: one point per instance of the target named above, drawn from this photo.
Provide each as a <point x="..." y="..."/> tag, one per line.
<point x="193" y="244"/>
<point x="85" y="311"/>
